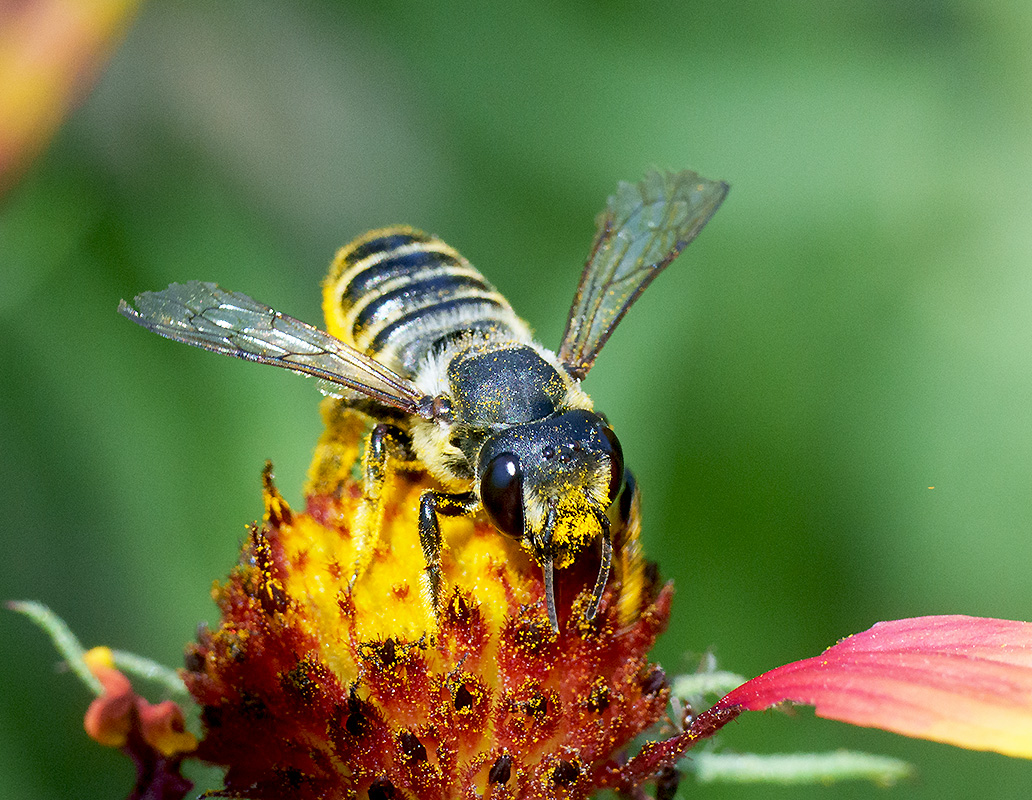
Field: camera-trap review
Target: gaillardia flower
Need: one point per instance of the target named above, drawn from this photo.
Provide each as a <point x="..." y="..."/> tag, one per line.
<point x="317" y="686"/>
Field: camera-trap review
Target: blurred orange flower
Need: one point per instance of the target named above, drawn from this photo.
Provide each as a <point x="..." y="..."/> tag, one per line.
<point x="51" y="51"/>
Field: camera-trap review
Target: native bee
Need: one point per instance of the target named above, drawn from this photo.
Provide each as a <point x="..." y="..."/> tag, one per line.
<point x="420" y="341"/>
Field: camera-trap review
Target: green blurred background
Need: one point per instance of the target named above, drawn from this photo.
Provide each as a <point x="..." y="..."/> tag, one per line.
<point x="852" y="329"/>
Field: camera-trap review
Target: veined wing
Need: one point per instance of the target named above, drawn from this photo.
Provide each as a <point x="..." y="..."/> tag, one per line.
<point x="205" y="315"/>
<point x="644" y="227"/>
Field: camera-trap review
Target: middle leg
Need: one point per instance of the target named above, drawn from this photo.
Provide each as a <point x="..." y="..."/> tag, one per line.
<point x="432" y="503"/>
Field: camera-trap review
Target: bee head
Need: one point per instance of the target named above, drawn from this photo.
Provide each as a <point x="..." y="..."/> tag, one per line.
<point x="548" y="484"/>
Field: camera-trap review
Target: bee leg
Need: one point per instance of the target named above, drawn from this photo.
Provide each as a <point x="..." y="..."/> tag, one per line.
<point x="603" y="570"/>
<point x="385" y="444"/>
<point x="432" y="503"/>
<point x="630" y="561"/>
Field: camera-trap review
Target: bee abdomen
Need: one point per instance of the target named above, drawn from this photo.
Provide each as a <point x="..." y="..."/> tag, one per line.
<point x="397" y="294"/>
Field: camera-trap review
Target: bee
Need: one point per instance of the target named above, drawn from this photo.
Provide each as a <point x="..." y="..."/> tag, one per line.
<point x="455" y="383"/>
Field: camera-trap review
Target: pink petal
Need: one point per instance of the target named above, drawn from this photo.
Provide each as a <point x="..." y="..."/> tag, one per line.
<point x="961" y="680"/>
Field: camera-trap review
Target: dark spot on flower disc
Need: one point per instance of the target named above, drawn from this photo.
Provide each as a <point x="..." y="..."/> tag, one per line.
<point x="381" y="789"/>
<point x="355" y="724"/>
<point x="463" y="698"/>
<point x="565" y="773"/>
<point x="501" y="770"/>
<point x="530" y="632"/>
<point x="291" y="777"/>
<point x="235" y="650"/>
<point x="253" y="707"/>
<point x="299" y="684"/>
<point x="194" y="661"/>
<point x="274" y="599"/>
<point x="598" y="700"/>
<point x="211" y="716"/>
<point x="537" y="706"/>
<point x="459" y="610"/>
<point x="654" y="681"/>
<point x="388" y="654"/>
<point x="412" y="747"/>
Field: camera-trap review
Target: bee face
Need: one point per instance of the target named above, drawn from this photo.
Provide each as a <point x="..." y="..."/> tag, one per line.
<point x="549" y="483"/>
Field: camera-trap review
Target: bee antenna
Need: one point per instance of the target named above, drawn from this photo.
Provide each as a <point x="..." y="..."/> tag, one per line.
<point x="603" y="569"/>
<point x="550" y="595"/>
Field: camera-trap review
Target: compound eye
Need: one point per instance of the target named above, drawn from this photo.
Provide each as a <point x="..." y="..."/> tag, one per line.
<point x="501" y="491"/>
<point x="616" y="465"/>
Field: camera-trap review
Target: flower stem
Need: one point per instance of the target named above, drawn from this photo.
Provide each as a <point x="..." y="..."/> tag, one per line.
<point x="71" y="650"/>
<point x="796" y="769"/>
<point x="141" y="667"/>
<point x="62" y="637"/>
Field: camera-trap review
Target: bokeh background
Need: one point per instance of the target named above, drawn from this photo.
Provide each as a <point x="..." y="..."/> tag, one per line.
<point x="853" y="328"/>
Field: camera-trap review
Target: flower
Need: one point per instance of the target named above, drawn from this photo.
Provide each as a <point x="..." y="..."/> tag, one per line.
<point x="315" y="685"/>
<point x="153" y="736"/>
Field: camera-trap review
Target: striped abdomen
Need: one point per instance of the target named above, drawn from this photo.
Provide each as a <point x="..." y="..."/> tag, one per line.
<point x="399" y="294"/>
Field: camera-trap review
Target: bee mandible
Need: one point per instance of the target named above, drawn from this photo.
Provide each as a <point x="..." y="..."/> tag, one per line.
<point x="453" y="379"/>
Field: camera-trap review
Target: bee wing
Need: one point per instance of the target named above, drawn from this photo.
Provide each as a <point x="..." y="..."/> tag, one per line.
<point x="644" y="227"/>
<point x="205" y="315"/>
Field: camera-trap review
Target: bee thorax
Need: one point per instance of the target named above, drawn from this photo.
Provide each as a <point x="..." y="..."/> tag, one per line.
<point x="504" y="386"/>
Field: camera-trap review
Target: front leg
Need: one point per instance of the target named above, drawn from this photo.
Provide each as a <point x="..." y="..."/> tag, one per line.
<point x="387" y="447"/>
<point x="432" y="503"/>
